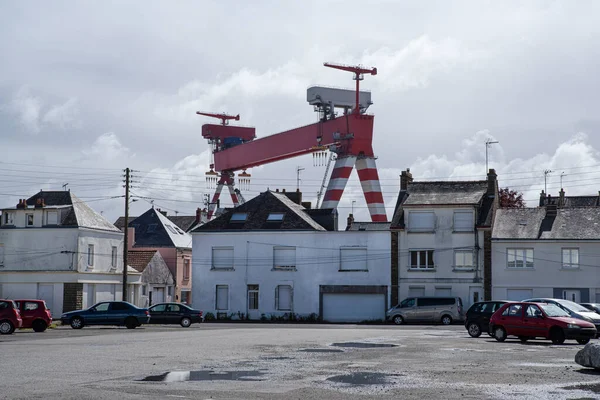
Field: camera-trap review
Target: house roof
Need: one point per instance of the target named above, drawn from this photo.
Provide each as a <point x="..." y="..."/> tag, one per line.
<point x="369" y="226"/>
<point x="139" y="259"/>
<point x="535" y="223"/>
<point x="257" y="211"/>
<point x="572" y="201"/>
<point x="153" y="229"/>
<point x="79" y="214"/>
<point x="184" y="222"/>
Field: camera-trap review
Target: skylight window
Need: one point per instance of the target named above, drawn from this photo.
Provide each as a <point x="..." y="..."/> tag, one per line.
<point x="238" y="217"/>
<point x="169" y="227"/>
<point x="151" y="228"/>
<point x="179" y="230"/>
<point x="275" y="217"/>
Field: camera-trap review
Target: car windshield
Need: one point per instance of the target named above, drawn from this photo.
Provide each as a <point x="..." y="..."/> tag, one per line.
<point x="573" y="306"/>
<point x="553" y="311"/>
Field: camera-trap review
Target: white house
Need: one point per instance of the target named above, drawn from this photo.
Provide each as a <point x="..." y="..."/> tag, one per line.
<point x="547" y="252"/>
<point x="273" y="257"/>
<point x="54" y="247"/>
<point x="440" y="235"/>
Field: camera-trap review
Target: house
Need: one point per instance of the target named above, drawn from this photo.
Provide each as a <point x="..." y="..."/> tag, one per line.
<point x="158" y="283"/>
<point x="54" y="247"/>
<point x="274" y="257"/>
<point x="154" y="231"/>
<point x="548" y="251"/>
<point x="441" y="238"/>
<point x="185" y="222"/>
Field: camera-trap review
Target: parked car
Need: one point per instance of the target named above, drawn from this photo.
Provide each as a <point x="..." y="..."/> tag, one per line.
<point x="107" y="313"/>
<point x="35" y="314"/>
<point x="174" y="313"/>
<point x="477" y="318"/>
<point x="595" y="307"/>
<point x="573" y="309"/>
<point x="10" y="317"/>
<point x="533" y="320"/>
<point x="427" y="309"/>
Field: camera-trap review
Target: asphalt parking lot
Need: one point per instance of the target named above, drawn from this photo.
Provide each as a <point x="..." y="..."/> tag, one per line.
<point x="264" y="361"/>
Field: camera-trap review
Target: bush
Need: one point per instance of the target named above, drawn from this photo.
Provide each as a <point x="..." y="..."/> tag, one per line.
<point x="209" y="316"/>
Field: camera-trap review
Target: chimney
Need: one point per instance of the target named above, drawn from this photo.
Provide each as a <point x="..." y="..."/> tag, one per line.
<point x="130" y="238"/>
<point x="198" y="215"/>
<point x="492" y="183"/>
<point x="306" y="204"/>
<point x="542" y="198"/>
<point x="405" y="178"/>
<point x="282" y="190"/>
<point x="561" y="198"/>
<point x="551" y="210"/>
<point x="40" y="203"/>
<point x="162" y="212"/>
<point x="276" y="190"/>
<point x="351" y="220"/>
<point x="22" y="203"/>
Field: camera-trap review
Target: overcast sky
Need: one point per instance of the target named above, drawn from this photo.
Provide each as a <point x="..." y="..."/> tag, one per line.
<point x="100" y="86"/>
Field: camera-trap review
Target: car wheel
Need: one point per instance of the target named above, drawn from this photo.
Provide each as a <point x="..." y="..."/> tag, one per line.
<point x="583" y="341"/>
<point x="446" y="320"/>
<point x="6" y="327"/>
<point x="523" y="338"/>
<point x="557" y="336"/>
<point x="131" y="323"/>
<point x="499" y="333"/>
<point x="39" y="326"/>
<point x="398" y="320"/>
<point x="474" y="329"/>
<point x="76" y="323"/>
<point x="185" y="322"/>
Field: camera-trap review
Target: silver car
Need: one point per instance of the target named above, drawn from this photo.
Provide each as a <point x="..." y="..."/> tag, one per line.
<point x="427" y="309"/>
<point x="575" y="310"/>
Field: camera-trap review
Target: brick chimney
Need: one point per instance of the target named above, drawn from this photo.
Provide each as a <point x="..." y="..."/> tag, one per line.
<point x="130" y="238"/>
<point x="198" y="215"/>
<point x="561" y="198"/>
<point x="22" y="203"/>
<point x="405" y="178"/>
<point x="492" y="183"/>
<point x="40" y="203"/>
<point x="350" y="221"/>
<point x="551" y="210"/>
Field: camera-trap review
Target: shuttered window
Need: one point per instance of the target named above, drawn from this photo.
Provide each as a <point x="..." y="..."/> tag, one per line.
<point x="222" y="297"/>
<point x="52" y="218"/>
<point x="463" y="221"/>
<point x="463" y="259"/>
<point x="421" y="221"/>
<point x="222" y="257"/>
<point x="283" y="298"/>
<point x="284" y="257"/>
<point x="353" y="259"/>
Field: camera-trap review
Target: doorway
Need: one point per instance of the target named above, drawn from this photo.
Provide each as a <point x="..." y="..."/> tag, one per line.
<point x="253" y="311"/>
<point x="573" y="295"/>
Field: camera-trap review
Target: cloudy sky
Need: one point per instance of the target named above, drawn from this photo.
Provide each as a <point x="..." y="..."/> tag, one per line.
<point x="87" y="89"/>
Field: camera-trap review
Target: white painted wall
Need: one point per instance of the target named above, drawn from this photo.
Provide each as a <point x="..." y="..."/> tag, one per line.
<point x="103" y="243"/>
<point x="317" y="263"/>
<point x="444" y="242"/>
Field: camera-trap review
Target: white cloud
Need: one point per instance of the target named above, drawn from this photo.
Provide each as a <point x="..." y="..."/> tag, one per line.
<point x="108" y="147"/>
<point x="64" y="116"/>
<point x="26" y="108"/>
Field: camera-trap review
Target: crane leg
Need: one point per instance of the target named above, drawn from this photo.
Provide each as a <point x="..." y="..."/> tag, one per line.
<point x="369" y="180"/>
<point x="234" y="196"/>
<point x="337" y="183"/>
<point x="213" y="204"/>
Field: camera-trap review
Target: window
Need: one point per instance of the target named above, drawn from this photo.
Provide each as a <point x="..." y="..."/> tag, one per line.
<point x="118" y="306"/>
<point x="91" y="255"/>
<point x="284" y="257"/>
<point x="31" y="306"/>
<point x="144" y="290"/>
<point x="520" y="258"/>
<point x="169" y="290"/>
<point x="29" y="219"/>
<point x="421" y="221"/>
<point x="151" y="228"/>
<point x="173" y="231"/>
<point x="222" y="297"/>
<point x="463" y="259"/>
<point x="353" y="259"/>
<point x="407" y="303"/>
<point x="222" y="257"/>
<point x="283" y="298"/>
<point x="570" y="258"/>
<point x="252" y="297"/>
<point x="444" y="291"/>
<point x="421" y="259"/>
<point x="113" y="258"/>
<point x="52" y="218"/>
<point x="186" y="269"/>
<point x="463" y="221"/>
<point x="9" y="218"/>
<point x="514" y="310"/>
<point x="174" y="308"/>
<point x="273" y="217"/>
<point x="533" y="312"/>
<point x="159" y="308"/>
<point x="102" y="307"/>
<point x="185" y="296"/>
<point x="238" y="217"/>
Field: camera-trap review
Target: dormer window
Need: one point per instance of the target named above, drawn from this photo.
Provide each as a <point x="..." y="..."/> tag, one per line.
<point x="275" y="217"/>
<point x="238" y="217"/>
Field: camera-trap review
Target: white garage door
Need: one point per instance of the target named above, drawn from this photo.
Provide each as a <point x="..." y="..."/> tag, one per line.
<point x="353" y="307"/>
<point x="518" y="294"/>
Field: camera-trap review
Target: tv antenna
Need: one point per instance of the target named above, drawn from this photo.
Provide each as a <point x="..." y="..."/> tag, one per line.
<point x="488" y="143"/>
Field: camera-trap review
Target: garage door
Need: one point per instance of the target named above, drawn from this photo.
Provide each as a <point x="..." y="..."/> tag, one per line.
<point x="518" y="294"/>
<point x="353" y="307"/>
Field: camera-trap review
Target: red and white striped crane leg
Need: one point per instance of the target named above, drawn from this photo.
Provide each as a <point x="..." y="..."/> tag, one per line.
<point x="337" y="183"/>
<point x="234" y="197"/>
<point x="369" y="180"/>
<point x="213" y="204"/>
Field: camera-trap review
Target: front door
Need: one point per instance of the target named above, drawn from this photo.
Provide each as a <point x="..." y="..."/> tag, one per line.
<point x="173" y="314"/>
<point x="158" y="314"/>
<point x="512" y="320"/>
<point x="158" y="295"/>
<point x="253" y="312"/>
<point x="533" y="322"/>
<point x="573" y="295"/>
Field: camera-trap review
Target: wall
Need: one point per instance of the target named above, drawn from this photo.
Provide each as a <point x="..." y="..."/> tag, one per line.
<point x="547" y="272"/>
<point x="317" y="263"/>
<point x="103" y="243"/>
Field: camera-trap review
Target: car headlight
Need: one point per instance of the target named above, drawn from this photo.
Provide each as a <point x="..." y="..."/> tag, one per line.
<point x="573" y="326"/>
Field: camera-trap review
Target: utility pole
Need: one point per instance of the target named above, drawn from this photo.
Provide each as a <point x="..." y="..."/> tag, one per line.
<point x="488" y="143"/>
<point x="561" y="176"/>
<point x="126" y="239"/>
<point x="546" y="172"/>
<point x="298" y="169"/>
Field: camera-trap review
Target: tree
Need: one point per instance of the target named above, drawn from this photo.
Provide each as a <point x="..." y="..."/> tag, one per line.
<point x="511" y="199"/>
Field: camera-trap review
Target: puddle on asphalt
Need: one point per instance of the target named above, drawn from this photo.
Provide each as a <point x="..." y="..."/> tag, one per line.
<point x="204" y="375"/>
<point x="360" y="345"/>
<point x="363" y="378"/>
<point x="322" y="350"/>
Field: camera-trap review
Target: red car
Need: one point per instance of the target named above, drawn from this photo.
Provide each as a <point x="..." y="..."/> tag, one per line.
<point x="35" y="314"/>
<point x="10" y="318"/>
<point x="534" y="320"/>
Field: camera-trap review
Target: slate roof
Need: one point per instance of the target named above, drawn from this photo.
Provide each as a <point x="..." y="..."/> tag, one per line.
<point x="370" y="226"/>
<point x="184" y="222"/>
<point x="258" y="209"/>
<point x="572" y="201"/>
<point x="139" y="259"/>
<point x="153" y="229"/>
<point x="534" y="223"/>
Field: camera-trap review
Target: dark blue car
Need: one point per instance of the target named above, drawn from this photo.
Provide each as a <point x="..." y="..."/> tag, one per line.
<point x="107" y="313"/>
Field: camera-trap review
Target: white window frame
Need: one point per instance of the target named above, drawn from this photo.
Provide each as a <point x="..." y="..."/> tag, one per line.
<point x="570" y="252"/>
<point x="27" y="224"/>
<point x="277" y="298"/>
<point x="292" y="264"/>
<point x="521" y="255"/>
<point x="461" y="253"/>
<point x="217" y="297"/>
<point x="187" y="269"/>
<point x="9" y="217"/>
<point x="418" y="266"/>
<point x="471" y="226"/>
<point x="212" y="259"/>
<point x="114" y="255"/>
<point x="90" y="255"/>
<point x="419" y="229"/>
<point x="48" y="213"/>
<point x="364" y="264"/>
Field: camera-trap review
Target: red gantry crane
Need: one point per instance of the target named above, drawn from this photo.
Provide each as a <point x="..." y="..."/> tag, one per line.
<point x="349" y="136"/>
